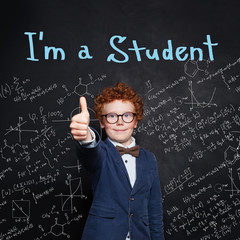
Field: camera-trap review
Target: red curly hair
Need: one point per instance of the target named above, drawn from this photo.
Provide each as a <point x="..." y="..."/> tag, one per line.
<point x="120" y="92"/>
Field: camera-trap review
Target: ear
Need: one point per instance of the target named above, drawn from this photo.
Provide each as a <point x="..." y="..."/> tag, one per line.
<point x="135" y="124"/>
<point x="102" y="123"/>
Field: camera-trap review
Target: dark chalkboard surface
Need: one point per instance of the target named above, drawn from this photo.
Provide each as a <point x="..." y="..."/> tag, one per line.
<point x="191" y="112"/>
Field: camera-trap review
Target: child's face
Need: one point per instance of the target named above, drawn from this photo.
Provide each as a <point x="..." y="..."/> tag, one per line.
<point x="120" y="131"/>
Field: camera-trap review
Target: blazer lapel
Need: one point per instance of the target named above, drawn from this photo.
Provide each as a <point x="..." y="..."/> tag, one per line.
<point x="117" y="157"/>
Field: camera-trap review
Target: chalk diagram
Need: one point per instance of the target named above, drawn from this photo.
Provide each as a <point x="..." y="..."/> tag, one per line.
<point x="81" y="89"/>
<point x="234" y="189"/>
<point x="78" y="89"/>
<point x="93" y="122"/>
<point x="191" y="67"/>
<point x="78" y="166"/>
<point x="19" y="129"/>
<point x="21" y="209"/>
<point x="231" y="156"/>
<point x="58" y="229"/>
<point x="194" y="102"/>
<point x="7" y="149"/>
<point x="67" y="199"/>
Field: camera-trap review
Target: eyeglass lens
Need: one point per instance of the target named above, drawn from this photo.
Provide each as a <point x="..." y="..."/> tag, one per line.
<point x="126" y="117"/>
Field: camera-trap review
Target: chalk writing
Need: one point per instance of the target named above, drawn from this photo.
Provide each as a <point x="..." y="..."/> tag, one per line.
<point x="196" y="140"/>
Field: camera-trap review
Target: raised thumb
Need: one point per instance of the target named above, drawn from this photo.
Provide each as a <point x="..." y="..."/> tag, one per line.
<point x="83" y="105"/>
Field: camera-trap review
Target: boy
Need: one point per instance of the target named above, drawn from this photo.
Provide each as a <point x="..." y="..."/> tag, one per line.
<point x="127" y="202"/>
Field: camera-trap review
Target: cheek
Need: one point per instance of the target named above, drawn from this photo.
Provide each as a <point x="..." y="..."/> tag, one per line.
<point x="107" y="128"/>
<point x="110" y="133"/>
<point x="106" y="125"/>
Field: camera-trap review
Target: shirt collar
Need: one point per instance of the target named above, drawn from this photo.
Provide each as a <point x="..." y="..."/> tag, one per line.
<point x="132" y="144"/>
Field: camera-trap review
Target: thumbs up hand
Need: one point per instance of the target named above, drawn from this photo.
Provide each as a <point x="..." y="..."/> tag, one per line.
<point x="80" y="122"/>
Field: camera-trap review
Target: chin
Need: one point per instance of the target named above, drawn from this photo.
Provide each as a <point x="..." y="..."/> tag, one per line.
<point x="119" y="139"/>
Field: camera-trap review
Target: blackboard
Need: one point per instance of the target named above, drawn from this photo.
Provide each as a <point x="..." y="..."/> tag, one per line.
<point x="191" y="112"/>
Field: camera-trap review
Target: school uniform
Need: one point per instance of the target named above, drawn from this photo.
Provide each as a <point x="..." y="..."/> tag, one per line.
<point x="127" y="200"/>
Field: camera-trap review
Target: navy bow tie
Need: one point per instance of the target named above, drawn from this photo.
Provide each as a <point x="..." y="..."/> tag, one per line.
<point x="134" y="151"/>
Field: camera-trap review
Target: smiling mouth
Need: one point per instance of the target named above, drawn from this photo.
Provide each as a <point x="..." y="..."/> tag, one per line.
<point x="120" y="130"/>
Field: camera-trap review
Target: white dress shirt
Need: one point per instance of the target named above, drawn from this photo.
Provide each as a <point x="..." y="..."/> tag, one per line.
<point x="128" y="160"/>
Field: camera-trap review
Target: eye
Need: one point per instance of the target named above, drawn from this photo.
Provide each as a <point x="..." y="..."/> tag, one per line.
<point x="127" y="115"/>
<point x="111" y="115"/>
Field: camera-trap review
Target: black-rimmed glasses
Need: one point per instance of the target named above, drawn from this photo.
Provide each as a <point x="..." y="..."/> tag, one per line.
<point x="113" y="117"/>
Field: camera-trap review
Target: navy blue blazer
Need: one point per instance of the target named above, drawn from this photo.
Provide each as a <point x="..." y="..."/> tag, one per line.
<point x="117" y="208"/>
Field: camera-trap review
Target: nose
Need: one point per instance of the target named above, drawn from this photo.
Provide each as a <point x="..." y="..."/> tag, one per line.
<point x="120" y="121"/>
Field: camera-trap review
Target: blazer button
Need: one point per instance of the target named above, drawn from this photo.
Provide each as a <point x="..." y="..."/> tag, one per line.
<point x="131" y="215"/>
<point x="131" y="198"/>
